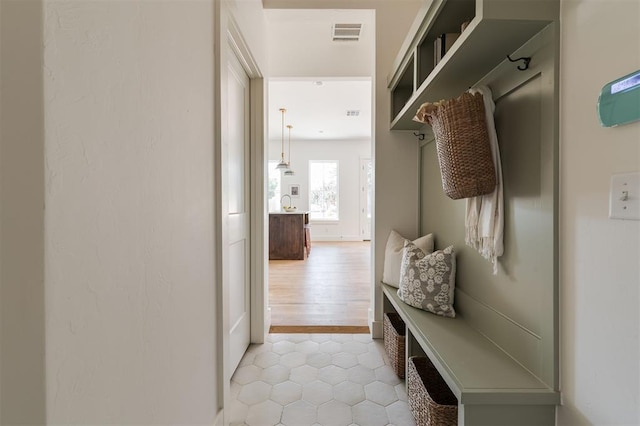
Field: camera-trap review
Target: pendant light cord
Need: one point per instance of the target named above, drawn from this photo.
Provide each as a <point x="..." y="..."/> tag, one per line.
<point x="289" y="126"/>
<point x="282" y="110"/>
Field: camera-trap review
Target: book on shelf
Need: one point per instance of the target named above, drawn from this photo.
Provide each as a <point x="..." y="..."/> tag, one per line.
<point x="442" y="44"/>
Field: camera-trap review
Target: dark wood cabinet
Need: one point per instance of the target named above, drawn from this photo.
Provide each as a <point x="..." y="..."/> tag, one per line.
<point x="289" y="236"/>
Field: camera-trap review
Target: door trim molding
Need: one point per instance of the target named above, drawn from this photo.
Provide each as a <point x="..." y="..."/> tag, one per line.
<point x="229" y="41"/>
<point x="240" y="47"/>
<point x="258" y="160"/>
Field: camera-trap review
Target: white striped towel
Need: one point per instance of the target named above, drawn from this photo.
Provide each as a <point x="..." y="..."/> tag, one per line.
<point x="485" y="213"/>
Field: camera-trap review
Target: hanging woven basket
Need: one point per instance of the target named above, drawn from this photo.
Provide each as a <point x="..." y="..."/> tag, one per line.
<point x="462" y="142"/>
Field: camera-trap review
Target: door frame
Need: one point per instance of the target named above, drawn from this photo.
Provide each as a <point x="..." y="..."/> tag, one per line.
<point x="258" y="160"/>
<point x="365" y="187"/>
<point x="230" y="41"/>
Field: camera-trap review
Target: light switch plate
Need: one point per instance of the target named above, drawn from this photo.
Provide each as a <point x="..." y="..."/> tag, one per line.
<point x="624" y="196"/>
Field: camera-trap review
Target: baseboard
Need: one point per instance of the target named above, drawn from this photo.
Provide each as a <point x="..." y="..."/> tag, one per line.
<point x="376" y="329"/>
<point x="219" y="421"/>
<point x="334" y="329"/>
<point x="267" y="321"/>
<point x="334" y="238"/>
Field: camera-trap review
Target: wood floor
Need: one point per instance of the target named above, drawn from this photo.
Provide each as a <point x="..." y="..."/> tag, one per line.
<point x="332" y="287"/>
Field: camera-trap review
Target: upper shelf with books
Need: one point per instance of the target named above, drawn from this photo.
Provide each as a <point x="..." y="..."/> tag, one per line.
<point x="493" y="29"/>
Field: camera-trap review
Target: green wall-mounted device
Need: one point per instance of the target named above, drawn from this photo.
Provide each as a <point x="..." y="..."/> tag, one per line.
<point x="619" y="101"/>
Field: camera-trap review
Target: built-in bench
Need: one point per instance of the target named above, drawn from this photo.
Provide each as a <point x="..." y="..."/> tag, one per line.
<point x="491" y="387"/>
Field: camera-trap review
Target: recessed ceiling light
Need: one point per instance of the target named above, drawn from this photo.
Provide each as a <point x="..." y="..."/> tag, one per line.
<point x="320" y="131"/>
<point x="318" y="83"/>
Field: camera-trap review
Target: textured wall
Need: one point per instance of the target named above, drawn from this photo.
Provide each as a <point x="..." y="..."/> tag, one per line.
<point x="130" y="291"/>
<point x="600" y="276"/>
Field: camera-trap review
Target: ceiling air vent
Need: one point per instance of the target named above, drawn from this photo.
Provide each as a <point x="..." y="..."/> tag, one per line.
<point x="353" y="113"/>
<point x="346" y="32"/>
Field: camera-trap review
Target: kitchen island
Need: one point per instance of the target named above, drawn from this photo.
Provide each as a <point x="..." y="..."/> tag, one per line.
<point x="289" y="237"/>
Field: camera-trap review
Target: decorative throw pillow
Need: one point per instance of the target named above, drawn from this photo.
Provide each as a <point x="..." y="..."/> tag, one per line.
<point x="393" y="255"/>
<point x="427" y="281"/>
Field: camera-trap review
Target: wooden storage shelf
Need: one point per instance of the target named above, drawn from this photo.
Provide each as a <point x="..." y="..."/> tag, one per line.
<point x="499" y="356"/>
<point x="496" y="29"/>
<point x="404" y="89"/>
<point x="491" y="387"/>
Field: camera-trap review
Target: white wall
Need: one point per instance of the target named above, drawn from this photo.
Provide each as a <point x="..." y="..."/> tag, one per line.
<point x="129" y="270"/>
<point x="396" y="153"/>
<point x="600" y="276"/>
<point x="296" y="51"/>
<point x="348" y="153"/>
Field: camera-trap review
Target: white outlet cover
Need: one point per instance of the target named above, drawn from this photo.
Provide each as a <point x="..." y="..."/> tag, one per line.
<point x="624" y="196"/>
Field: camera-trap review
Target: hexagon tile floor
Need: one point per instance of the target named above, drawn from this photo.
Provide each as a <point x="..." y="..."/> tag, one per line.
<point x="318" y="379"/>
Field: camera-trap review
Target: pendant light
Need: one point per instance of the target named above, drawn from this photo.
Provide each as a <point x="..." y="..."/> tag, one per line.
<point x="289" y="171"/>
<point x="282" y="165"/>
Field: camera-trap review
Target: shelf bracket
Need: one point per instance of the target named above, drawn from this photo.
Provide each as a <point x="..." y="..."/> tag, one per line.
<point x="526" y="59"/>
<point x="420" y="136"/>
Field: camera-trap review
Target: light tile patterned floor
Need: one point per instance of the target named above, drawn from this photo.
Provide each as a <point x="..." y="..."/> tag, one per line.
<point x="318" y="379"/>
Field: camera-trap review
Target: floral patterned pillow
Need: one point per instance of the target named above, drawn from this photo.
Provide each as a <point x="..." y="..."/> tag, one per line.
<point x="427" y="281"/>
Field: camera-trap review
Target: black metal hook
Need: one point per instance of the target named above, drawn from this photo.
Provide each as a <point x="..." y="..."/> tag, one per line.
<point x="526" y="59"/>
<point x="420" y="136"/>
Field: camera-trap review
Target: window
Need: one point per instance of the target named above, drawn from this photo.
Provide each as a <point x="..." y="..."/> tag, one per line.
<point x="323" y="190"/>
<point x="273" y="187"/>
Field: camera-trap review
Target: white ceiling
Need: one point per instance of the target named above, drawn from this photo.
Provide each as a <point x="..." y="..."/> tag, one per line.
<point x="317" y="109"/>
<point x="301" y="54"/>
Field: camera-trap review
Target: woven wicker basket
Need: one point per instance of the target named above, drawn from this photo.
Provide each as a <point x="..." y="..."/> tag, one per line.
<point x="430" y="400"/>
<point x="462" y="142"/>
<point x="393" y="336"/>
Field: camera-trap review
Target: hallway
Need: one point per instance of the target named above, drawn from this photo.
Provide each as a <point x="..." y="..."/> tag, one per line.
<point x="318" y="379"/>
<point x="331" y="287"/>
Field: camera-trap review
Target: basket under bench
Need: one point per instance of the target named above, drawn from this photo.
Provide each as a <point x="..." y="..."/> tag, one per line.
<point x="491" y="387"/>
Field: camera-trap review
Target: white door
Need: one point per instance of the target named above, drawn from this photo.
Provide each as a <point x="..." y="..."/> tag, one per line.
<point x="366" y="198"/>
<point x="237" y="250"/>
